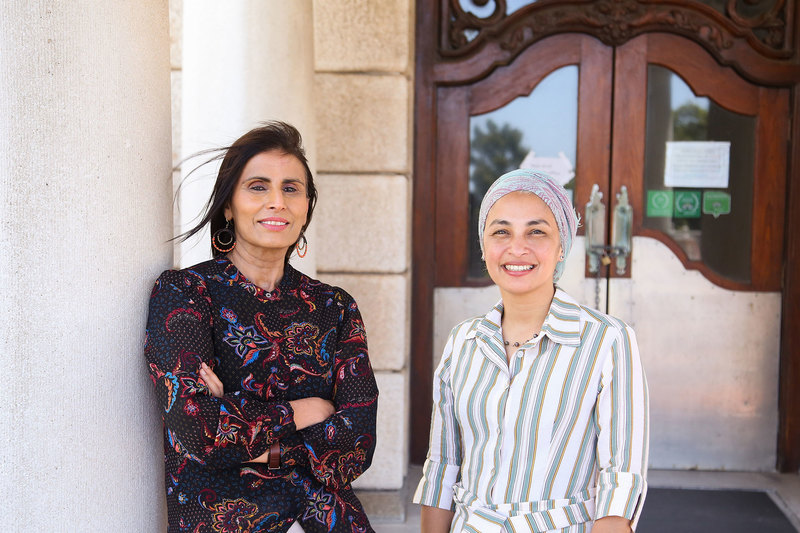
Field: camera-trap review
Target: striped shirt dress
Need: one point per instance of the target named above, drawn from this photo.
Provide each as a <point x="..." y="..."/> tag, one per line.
<point x="548" y="441"/>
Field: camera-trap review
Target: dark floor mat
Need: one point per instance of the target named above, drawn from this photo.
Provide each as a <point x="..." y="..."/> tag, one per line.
<point x="709" y="511"/>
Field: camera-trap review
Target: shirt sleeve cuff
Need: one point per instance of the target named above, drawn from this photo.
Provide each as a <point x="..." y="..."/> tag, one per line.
<point x="620" y="494"/>
<point x="435" y="489"/>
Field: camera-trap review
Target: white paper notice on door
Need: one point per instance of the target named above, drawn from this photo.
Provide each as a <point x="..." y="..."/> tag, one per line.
<point x="697" y="164"/>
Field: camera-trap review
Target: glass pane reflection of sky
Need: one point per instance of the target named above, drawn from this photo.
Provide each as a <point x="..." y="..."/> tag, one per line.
<point x="548" y="117"/>
<point x="681" y="94"/>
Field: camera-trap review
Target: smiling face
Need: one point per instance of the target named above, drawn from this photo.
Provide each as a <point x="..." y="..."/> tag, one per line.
<point x="269" y="205"/>
<point x="522" y="245"/>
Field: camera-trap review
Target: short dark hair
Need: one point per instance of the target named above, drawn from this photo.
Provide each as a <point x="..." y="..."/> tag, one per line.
<point x="272" y="135"/>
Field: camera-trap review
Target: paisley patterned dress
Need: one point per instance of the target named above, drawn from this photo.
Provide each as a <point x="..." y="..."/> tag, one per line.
<point x="303" y="339"/>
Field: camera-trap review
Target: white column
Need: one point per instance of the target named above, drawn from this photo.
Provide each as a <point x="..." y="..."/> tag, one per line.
<point x="85" y="191"/>
<point x="244" y="62"/>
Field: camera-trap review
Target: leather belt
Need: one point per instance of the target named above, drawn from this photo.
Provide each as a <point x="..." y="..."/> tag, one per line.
<point x="274" y="462"/>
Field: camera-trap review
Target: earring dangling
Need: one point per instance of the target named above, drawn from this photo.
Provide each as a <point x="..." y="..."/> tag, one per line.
<point x="224" y="239"/>
<point x="302" y="249"/>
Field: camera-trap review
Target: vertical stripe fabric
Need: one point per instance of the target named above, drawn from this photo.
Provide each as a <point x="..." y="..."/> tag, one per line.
<point x="548" y="441"/>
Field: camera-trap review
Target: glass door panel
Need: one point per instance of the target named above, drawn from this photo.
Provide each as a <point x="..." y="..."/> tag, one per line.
<point x="698" y="176"/>
<point x="538" y="131"/>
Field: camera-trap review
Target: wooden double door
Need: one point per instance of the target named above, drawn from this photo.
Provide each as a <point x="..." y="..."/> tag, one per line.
<point x="705" y="284"/>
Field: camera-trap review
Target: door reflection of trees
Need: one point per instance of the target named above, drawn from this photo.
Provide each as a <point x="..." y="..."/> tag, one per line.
<point x="493" y="152"/>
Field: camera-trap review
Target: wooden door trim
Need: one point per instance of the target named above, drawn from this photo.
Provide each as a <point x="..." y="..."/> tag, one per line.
<point x="525" y="73"/>
<point x="695" y="66"/>
<point x="423" y="266"/>
<point x="731" y="38"/>
<point x="452" y="186"/>
<point x="627" y="158"/>
<point x="789" y="386"/>
<point x="769" y="219"/>
<point x="593" y="156"/>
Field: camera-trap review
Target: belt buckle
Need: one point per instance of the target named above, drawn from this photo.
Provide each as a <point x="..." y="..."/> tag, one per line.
<point x="274" y="462"/>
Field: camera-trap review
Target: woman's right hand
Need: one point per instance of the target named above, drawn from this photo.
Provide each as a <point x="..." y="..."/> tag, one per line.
<point x="215" y="386"/>
<point x="310" y="411"/>
<point x="307" y="412"/>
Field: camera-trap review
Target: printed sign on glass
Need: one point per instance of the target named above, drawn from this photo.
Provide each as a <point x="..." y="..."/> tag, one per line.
<point x="697" y="164"/>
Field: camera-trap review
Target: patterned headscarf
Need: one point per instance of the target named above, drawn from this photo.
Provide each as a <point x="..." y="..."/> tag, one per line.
<point x="545" y="187"/>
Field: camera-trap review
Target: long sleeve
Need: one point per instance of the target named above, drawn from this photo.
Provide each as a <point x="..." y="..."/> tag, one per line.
<point x="622" y="419"/>
<point x="341" y="447"/>
<point x="215" y="432"/>
<point x="441" y="469"/>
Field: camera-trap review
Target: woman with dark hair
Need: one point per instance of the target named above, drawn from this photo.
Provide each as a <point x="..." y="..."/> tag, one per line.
<point x="268" y="396"/>
<point x="540" y="417"/>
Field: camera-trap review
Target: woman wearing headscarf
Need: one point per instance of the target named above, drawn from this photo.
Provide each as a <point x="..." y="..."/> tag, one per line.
<point x="267" y="393"/>
<point x="540" y="416"/>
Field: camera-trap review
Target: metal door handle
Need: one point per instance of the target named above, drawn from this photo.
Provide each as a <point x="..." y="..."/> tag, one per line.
<point x="622" y="224"/>
<point x="597" y="250"/>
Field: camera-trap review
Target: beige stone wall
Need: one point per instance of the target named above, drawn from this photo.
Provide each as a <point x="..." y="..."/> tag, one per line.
<point x="363" y="53"/>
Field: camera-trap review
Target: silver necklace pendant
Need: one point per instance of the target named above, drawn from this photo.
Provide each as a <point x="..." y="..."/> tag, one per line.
<point x="516" y="344"/>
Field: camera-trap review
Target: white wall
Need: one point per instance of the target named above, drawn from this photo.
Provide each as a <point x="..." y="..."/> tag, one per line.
<point x="243" y="62"/>
<point x="85" y="192"/>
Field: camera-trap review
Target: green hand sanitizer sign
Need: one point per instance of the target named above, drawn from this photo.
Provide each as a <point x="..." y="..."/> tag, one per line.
<point x="716" y="203"/>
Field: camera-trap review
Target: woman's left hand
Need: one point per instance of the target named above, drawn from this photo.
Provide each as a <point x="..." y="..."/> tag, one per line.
<point x="214" y="384"/>
<point x="612" y="524"/>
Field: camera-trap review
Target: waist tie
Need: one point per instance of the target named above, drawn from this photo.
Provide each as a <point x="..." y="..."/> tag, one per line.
<point x="536" y="516"/>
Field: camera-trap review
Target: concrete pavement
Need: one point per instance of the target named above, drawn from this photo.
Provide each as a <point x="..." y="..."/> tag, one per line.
<point x="393" y="512"/>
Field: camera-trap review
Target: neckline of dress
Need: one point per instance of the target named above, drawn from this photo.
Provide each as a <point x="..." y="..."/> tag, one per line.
<point x="287" y="282"/>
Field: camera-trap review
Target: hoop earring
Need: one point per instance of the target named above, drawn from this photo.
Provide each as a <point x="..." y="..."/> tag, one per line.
<point x="224" y="239"/>
<point x="302" y="249"/>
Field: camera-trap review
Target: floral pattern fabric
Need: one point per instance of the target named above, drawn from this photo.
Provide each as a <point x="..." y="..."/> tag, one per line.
<point x="303" y="339"/>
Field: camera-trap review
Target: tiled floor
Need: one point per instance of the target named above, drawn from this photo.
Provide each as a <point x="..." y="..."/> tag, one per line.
<point x="386" y="509"/>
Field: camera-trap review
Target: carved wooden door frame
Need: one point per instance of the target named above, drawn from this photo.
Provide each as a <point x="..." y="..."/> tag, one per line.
<point x="762" y="49"/>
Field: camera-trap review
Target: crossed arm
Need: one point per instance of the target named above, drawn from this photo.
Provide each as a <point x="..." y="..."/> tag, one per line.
<point x="232" y="427"/>
<point x="339" y="434"/>
<point x="307" y="411"/>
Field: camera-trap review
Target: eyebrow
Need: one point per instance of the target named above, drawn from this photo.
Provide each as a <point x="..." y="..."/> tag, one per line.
<point x="284" y="180"/>
<point x="534" y="222"/>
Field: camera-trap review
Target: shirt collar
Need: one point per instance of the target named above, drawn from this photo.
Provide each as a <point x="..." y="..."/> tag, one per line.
<point x="562" y="323"/>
